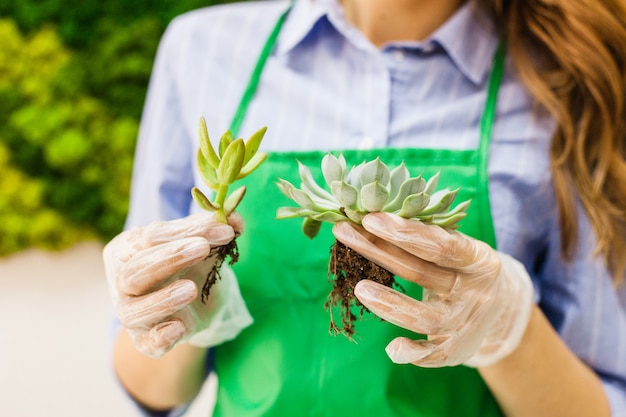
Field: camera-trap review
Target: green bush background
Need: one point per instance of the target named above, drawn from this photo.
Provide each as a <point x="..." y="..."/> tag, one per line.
<point x="73" y="78"/>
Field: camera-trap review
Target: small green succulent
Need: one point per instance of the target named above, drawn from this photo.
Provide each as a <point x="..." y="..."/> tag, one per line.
<point x="348" y="196"/>
<point x="219" y="170"/>
<point x="366" y="188"/>
<point x="233" y="161"/>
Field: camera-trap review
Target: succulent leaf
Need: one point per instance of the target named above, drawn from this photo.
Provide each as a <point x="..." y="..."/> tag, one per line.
<point x="202" y="200"/>
<point x="353" y="177"/>
<point x="311" y="227"/>
<point x="374" y="196"/>
<point x="375" y="171"/>
<point x="303" y="199"/>
<point x="431" y="185"/>
<point x="285" y="187"/>
<point x="413" y="205"/>
<point x="233" y="200"/>
<point x="232" y="162"/>
<point x="207" y="172"/>
<point x="440" y="201"/>
<point x="449" y="222"/>
<point x="310" y="184"/>
<point x="293" y="212"/>
<point x="461" y="207"/>
<point x="225" y="140"/>
<point x="355" y="215"/>
<point x="329" y="216"/>
<point x="410" y="186"/>
<point x="252" y="164"/>
<point x="205" y="145"/>
<point x="342" y="161"/>
<point x="398" y="175"/>
<point x="253" y="143"/>
<point x="315" y="193"/>
<point x="332" y="169"/>
<point x="347" y="195"/>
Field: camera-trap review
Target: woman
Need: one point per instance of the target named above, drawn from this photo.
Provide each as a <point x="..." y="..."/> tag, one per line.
<point x="523" y="318"/>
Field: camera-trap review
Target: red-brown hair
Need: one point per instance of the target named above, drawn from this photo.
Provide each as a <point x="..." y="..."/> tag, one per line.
<point x="571" y="54"/>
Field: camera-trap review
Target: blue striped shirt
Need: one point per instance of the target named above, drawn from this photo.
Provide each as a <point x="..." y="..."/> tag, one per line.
<point x="327" y="87"/>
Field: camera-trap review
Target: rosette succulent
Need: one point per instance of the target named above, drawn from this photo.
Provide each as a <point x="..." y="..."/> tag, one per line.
<point x="350" y="194"/>
<point x="234" y="160"/>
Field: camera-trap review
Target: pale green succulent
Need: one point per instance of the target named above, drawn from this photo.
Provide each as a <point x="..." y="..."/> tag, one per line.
<point x="233" y="161"/>
<point x="366" y="188"/>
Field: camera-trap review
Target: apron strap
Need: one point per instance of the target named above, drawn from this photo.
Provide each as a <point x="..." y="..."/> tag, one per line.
<point x="486" y="128"/>
<point x="253" y="82"/>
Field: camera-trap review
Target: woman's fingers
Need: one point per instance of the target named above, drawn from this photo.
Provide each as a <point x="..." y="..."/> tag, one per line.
<point x="433" y="352"/>
<point x="430" y="243"/>
<point x="403" y="350"/>
<point x="150" y="268"/>
<point x="202" y="225"/>
<point x="394" y="259"/>
<point x="159" y="339"/>
<point x="145" y="311"/>
<point x="237" y="223"/>
<point x="402" y="310"/>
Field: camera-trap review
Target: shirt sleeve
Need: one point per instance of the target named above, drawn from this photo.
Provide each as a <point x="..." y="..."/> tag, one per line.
<point x="615" y="391"/>
<point x="142" y="411"/>
<point x="579" y="298"/>
<point x="162" y="171"/>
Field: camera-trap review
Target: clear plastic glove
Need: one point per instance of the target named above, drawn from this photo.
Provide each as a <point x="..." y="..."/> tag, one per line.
<point x="476" y="301"/>
<point x="155" y="275"/>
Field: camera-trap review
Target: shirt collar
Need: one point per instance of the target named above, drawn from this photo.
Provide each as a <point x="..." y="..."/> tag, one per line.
<point x="468" y="37"/>
<point x="470" y="40"/>
<point x="303" y="16"/>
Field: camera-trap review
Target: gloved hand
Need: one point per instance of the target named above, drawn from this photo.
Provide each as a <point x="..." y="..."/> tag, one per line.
<point x="476" y="301"/>
<point x="155" y="275"/>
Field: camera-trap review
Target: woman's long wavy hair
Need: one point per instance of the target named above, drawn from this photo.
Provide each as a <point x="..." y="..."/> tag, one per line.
<point x="571" y="54"/>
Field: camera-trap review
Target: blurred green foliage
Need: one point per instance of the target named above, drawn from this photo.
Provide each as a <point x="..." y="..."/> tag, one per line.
<point x="73" y="78"/>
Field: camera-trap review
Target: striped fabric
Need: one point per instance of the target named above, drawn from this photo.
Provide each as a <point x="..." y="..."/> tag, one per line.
<point x="326" y="87"/>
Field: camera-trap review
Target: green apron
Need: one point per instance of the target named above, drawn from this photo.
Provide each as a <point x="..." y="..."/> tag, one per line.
<point x="287" y="363"/>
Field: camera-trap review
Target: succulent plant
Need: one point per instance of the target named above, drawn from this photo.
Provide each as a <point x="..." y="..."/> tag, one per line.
<point x="348" y="196"/>
<point x="366" y="188"/>
<point x="234" y="160"/>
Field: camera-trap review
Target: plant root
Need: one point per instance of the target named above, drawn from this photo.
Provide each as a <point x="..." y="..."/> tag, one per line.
<point x="345" y="269"/>
<point x="220" y="253"/>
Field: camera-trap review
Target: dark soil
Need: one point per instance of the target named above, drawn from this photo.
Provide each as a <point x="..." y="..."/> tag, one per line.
<point x="345" y="269"/>
<point x="229" y="250"/>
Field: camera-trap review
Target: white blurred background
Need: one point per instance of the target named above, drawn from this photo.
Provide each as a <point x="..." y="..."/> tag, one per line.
<point x="54" y="345"/>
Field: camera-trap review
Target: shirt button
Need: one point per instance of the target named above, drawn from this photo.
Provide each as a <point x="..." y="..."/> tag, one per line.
<point x="366" y="143"/>
<point x="398" y="55"/>
<point x="428" y="48"/>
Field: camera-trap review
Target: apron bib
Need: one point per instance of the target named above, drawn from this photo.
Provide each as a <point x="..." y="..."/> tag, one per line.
<point x="287" y="363"/>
